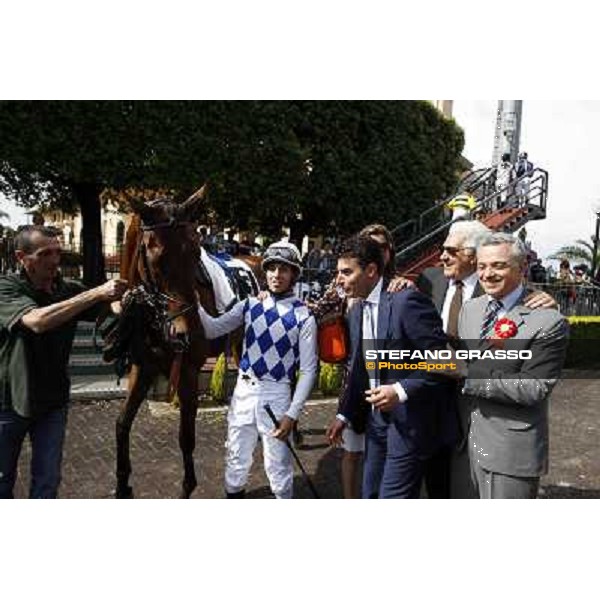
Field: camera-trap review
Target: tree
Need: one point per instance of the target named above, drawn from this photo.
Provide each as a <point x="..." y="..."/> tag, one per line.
<point x="580" y="251"/>
<point x="67" y="153"/>
<point x="331" y="166"/>
<point x="317" y="167"/>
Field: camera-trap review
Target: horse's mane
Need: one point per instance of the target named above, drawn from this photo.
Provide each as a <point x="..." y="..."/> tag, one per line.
<point x="129" y="250"/>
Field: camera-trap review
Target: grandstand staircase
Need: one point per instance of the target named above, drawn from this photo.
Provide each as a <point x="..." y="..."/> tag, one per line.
<point x="92" y="378"/>
<point x="419" y="241"/>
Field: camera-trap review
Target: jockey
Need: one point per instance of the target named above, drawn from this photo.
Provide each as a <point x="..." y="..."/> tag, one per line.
<point x="280" y="349"/>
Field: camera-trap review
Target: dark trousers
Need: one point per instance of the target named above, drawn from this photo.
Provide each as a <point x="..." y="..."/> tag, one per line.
<point x="393" y="465"/>
<point x="437" y="473"/>
<point x="47" y="434"/>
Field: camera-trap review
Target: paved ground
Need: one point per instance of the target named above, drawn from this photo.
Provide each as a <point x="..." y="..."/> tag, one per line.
<point x="90" y="450"/>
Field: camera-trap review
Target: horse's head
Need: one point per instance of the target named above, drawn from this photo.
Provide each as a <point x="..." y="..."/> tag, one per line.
<point x="168" y="241"/>
<point x="165" y="213"/>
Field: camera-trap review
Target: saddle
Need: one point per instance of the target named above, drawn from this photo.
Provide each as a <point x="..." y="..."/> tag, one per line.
<point x="240" y="277"/>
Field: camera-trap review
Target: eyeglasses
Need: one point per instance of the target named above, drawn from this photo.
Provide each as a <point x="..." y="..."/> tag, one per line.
<point x="453" y="250"/>
<point x="286" y="254"/>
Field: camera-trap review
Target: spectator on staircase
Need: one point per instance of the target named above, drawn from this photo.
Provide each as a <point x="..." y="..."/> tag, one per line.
<point x="523" y="172"/>
<point x="505" y="175"/>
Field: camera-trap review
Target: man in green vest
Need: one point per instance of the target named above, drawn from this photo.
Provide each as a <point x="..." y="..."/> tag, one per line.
<point x="39" y="311"/>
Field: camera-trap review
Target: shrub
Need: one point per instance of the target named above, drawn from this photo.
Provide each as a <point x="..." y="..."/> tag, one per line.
<point x="217" y="379"/>
<point x="330" y="379"/>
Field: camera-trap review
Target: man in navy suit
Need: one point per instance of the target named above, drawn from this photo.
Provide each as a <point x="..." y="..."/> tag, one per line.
<point x="403" y="412"/>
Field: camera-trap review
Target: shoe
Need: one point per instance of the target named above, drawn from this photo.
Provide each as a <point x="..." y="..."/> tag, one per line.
<point x="235" y="495"/>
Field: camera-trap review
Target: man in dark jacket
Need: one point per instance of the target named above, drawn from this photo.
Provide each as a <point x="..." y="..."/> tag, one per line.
<point x="400" y="410"/>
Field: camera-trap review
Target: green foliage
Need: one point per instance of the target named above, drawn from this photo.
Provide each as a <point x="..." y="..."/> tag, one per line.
<point x="330" y="379"/>
<point x="218" y="379"/>
<point x="338" y="164"/>
<point x="580" y="252"/>
<point x="584" y="343"/>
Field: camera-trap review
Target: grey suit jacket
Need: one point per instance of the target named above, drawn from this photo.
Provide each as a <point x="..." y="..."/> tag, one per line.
<point x="509" y="416"/>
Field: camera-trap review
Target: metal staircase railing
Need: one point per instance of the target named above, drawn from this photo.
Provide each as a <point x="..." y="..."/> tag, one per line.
<point x="480" y="183"/>
<point x="504" y="209"/>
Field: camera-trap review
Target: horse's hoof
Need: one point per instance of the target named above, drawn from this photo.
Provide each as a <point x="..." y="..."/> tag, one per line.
<point x="125" y="493"/>
<point x="186" y="491"/>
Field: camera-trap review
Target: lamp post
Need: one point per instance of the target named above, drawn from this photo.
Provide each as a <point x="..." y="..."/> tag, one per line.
<point x="595" y="254"/>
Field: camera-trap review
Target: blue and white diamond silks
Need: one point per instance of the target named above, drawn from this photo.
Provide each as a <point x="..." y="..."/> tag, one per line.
<point x="271" y="341"/>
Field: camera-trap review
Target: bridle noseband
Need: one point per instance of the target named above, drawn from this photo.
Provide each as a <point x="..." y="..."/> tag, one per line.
<point x="152" y="296"/>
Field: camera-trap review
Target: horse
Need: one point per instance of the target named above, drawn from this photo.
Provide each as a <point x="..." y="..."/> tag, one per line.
<point x="159" y="315"/>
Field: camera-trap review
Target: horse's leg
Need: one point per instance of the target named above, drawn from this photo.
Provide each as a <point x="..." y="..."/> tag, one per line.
<point x="138" y="385"/>
<point x="188" y="409"/>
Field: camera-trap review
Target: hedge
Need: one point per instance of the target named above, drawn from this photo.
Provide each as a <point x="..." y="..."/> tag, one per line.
<point x="584" y="343"/>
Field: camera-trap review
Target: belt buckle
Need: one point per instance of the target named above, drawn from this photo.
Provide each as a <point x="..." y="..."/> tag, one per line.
<point x="248" y="379"/>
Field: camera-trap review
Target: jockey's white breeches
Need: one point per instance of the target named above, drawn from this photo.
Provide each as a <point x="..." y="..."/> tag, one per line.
<point x="247" y="419"/>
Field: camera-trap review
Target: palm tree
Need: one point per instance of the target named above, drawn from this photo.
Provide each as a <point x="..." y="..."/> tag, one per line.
<point x="580" y="252"/>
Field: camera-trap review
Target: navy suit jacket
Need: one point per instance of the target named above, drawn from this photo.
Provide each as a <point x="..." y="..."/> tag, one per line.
<point x="407" y="320"/>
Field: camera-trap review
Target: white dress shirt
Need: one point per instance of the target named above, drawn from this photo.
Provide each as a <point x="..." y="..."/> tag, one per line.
<point x="371" y="303"/>
<point x="508" y="301"/>
<point x="469" y="284"/>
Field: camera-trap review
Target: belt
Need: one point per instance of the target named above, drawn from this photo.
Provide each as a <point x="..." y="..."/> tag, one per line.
<point x="248" y="379"/>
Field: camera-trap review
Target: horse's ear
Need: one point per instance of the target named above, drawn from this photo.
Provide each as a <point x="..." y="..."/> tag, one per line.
<point x="186" y="210"/>
<point x="139" y="207"/>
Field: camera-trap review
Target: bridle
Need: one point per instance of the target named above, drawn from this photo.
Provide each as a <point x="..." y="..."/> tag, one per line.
<point x="149" y="282"/>
<point x="152" y="296"/>
<point x="148" y="294"/>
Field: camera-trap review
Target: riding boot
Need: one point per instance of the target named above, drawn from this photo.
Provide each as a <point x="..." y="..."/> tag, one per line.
<point x="235" y="495"/>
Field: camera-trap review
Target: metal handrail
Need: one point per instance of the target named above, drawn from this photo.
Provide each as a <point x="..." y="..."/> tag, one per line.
<point x="414" y="227"/>
<point x="573" y="298"/>
<point x="538" y="191"/>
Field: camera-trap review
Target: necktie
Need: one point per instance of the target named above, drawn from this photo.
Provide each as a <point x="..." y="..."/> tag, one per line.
<point x="455" y="306"/>
<point x="491" y="313"/>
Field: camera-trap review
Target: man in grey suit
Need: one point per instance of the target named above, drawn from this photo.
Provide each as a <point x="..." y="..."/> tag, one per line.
<point x="508" y="437"/>
<point x="448" y="473"/>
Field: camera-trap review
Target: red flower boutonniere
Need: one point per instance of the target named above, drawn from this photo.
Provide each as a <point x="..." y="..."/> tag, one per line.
<point x="505" y="329"/>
